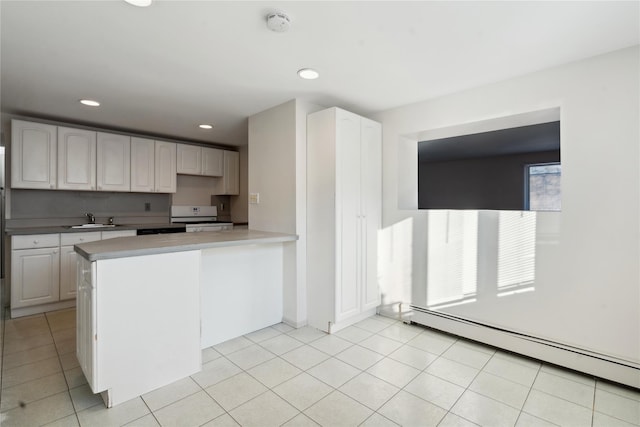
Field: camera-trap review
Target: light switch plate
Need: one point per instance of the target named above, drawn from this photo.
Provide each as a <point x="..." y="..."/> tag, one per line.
<point x="254" y="198"/>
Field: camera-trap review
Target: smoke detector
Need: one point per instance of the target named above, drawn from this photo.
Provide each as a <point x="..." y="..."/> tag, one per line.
<point x="278" y="22"/>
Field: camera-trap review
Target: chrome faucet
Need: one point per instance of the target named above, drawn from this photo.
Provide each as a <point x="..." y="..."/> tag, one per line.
<point x="92" y="218"/>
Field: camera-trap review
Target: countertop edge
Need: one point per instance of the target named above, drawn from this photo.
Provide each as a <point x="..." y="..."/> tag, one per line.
<point x="128" y="253"/>
<point x="66" y="229"/>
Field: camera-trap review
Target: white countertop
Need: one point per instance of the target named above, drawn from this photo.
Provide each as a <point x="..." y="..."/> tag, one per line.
<point x="124" y="247"/>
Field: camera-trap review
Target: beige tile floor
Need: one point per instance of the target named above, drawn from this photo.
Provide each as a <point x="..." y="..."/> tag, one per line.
<point x="379" y="372"/>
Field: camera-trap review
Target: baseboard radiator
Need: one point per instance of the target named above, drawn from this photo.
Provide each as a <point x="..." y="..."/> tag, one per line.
<point x="586" y="361"/>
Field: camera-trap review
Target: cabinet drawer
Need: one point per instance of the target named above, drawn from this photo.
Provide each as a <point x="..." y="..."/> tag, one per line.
<point x="67" y="239"/>
<point x="33" y="241"/>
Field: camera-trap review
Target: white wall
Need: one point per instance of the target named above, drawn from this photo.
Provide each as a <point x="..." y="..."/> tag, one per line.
<point x="587" y="277"/>
<point x="272" y="168"/>
<point x="277" y="171"/>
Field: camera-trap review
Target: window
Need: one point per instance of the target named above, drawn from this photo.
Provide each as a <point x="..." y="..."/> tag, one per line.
<point x="542" y="192"/>
<point x="485" y="170"/>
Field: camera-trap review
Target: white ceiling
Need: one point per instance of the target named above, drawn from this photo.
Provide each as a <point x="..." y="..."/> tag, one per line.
<point x="164" y="69"/>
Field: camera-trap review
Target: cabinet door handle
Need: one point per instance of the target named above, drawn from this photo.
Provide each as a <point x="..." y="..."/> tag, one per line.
<point x="35" y="242"/>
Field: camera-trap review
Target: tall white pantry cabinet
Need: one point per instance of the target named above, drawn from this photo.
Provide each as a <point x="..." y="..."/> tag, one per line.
<point x="344" y="197"/>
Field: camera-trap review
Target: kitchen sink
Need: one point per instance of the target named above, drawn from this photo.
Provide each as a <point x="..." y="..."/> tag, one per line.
<point x="94" y="226"/>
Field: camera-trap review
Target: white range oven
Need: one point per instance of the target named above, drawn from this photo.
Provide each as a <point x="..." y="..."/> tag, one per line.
<point x="198" y="218"/>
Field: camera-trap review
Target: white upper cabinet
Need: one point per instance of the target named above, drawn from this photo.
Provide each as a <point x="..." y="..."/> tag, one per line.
<point x="143" y="160"/>
<point x="189" y="159"/>
<point x="229" y="184"/>
<point x="153" y="166"/>
<point x="165" y="167"/>
<point x="33" y="155"/>
<point x="212" y="161"/>
<point x="195" y="160"/>
<point x="113" y="162"/>
<point x="76" y="159"/>
<point x="56" y="157"/>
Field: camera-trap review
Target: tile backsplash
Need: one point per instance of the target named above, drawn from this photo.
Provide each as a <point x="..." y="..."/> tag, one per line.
<point x="224" y="207"/>
<point x="31" y="204"/>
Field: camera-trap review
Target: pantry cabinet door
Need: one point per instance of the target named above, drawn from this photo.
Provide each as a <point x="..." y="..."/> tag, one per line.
<point x="371" y="202"/>
<point x="348" y="261"/>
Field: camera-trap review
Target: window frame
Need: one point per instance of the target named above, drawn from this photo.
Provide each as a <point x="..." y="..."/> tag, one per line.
<point x="527" y="190"/>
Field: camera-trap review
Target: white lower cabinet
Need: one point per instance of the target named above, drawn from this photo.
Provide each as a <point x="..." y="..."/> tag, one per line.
<point x="86" y="320"/>
<point x="68" y="260"/>
<point x="126" y="343"/>
<point x="35" y="266"/>
<point x="35" y="276"/>
<point x="43" y="269"/>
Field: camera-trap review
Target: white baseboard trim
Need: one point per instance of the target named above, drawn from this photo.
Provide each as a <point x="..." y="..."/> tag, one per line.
<point x="294" y="324"/>
<point x="600" y="365"/>
<point x="36" y="309"/>
<point x="335" y="327"/>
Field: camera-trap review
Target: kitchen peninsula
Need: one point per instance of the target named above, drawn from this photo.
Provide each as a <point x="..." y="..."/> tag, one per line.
<point x="147" y="305"/>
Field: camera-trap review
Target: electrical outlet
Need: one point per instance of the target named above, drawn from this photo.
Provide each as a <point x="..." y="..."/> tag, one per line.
<point x="147" y="206"/>
<point x="254" y="198"/>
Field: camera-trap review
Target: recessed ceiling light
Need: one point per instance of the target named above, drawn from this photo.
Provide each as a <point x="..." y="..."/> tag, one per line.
<point x="308" y="73"/>
<point x="205" y="126"/>
<point x="89" y="102"/>
<point x="139" y="3"/>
